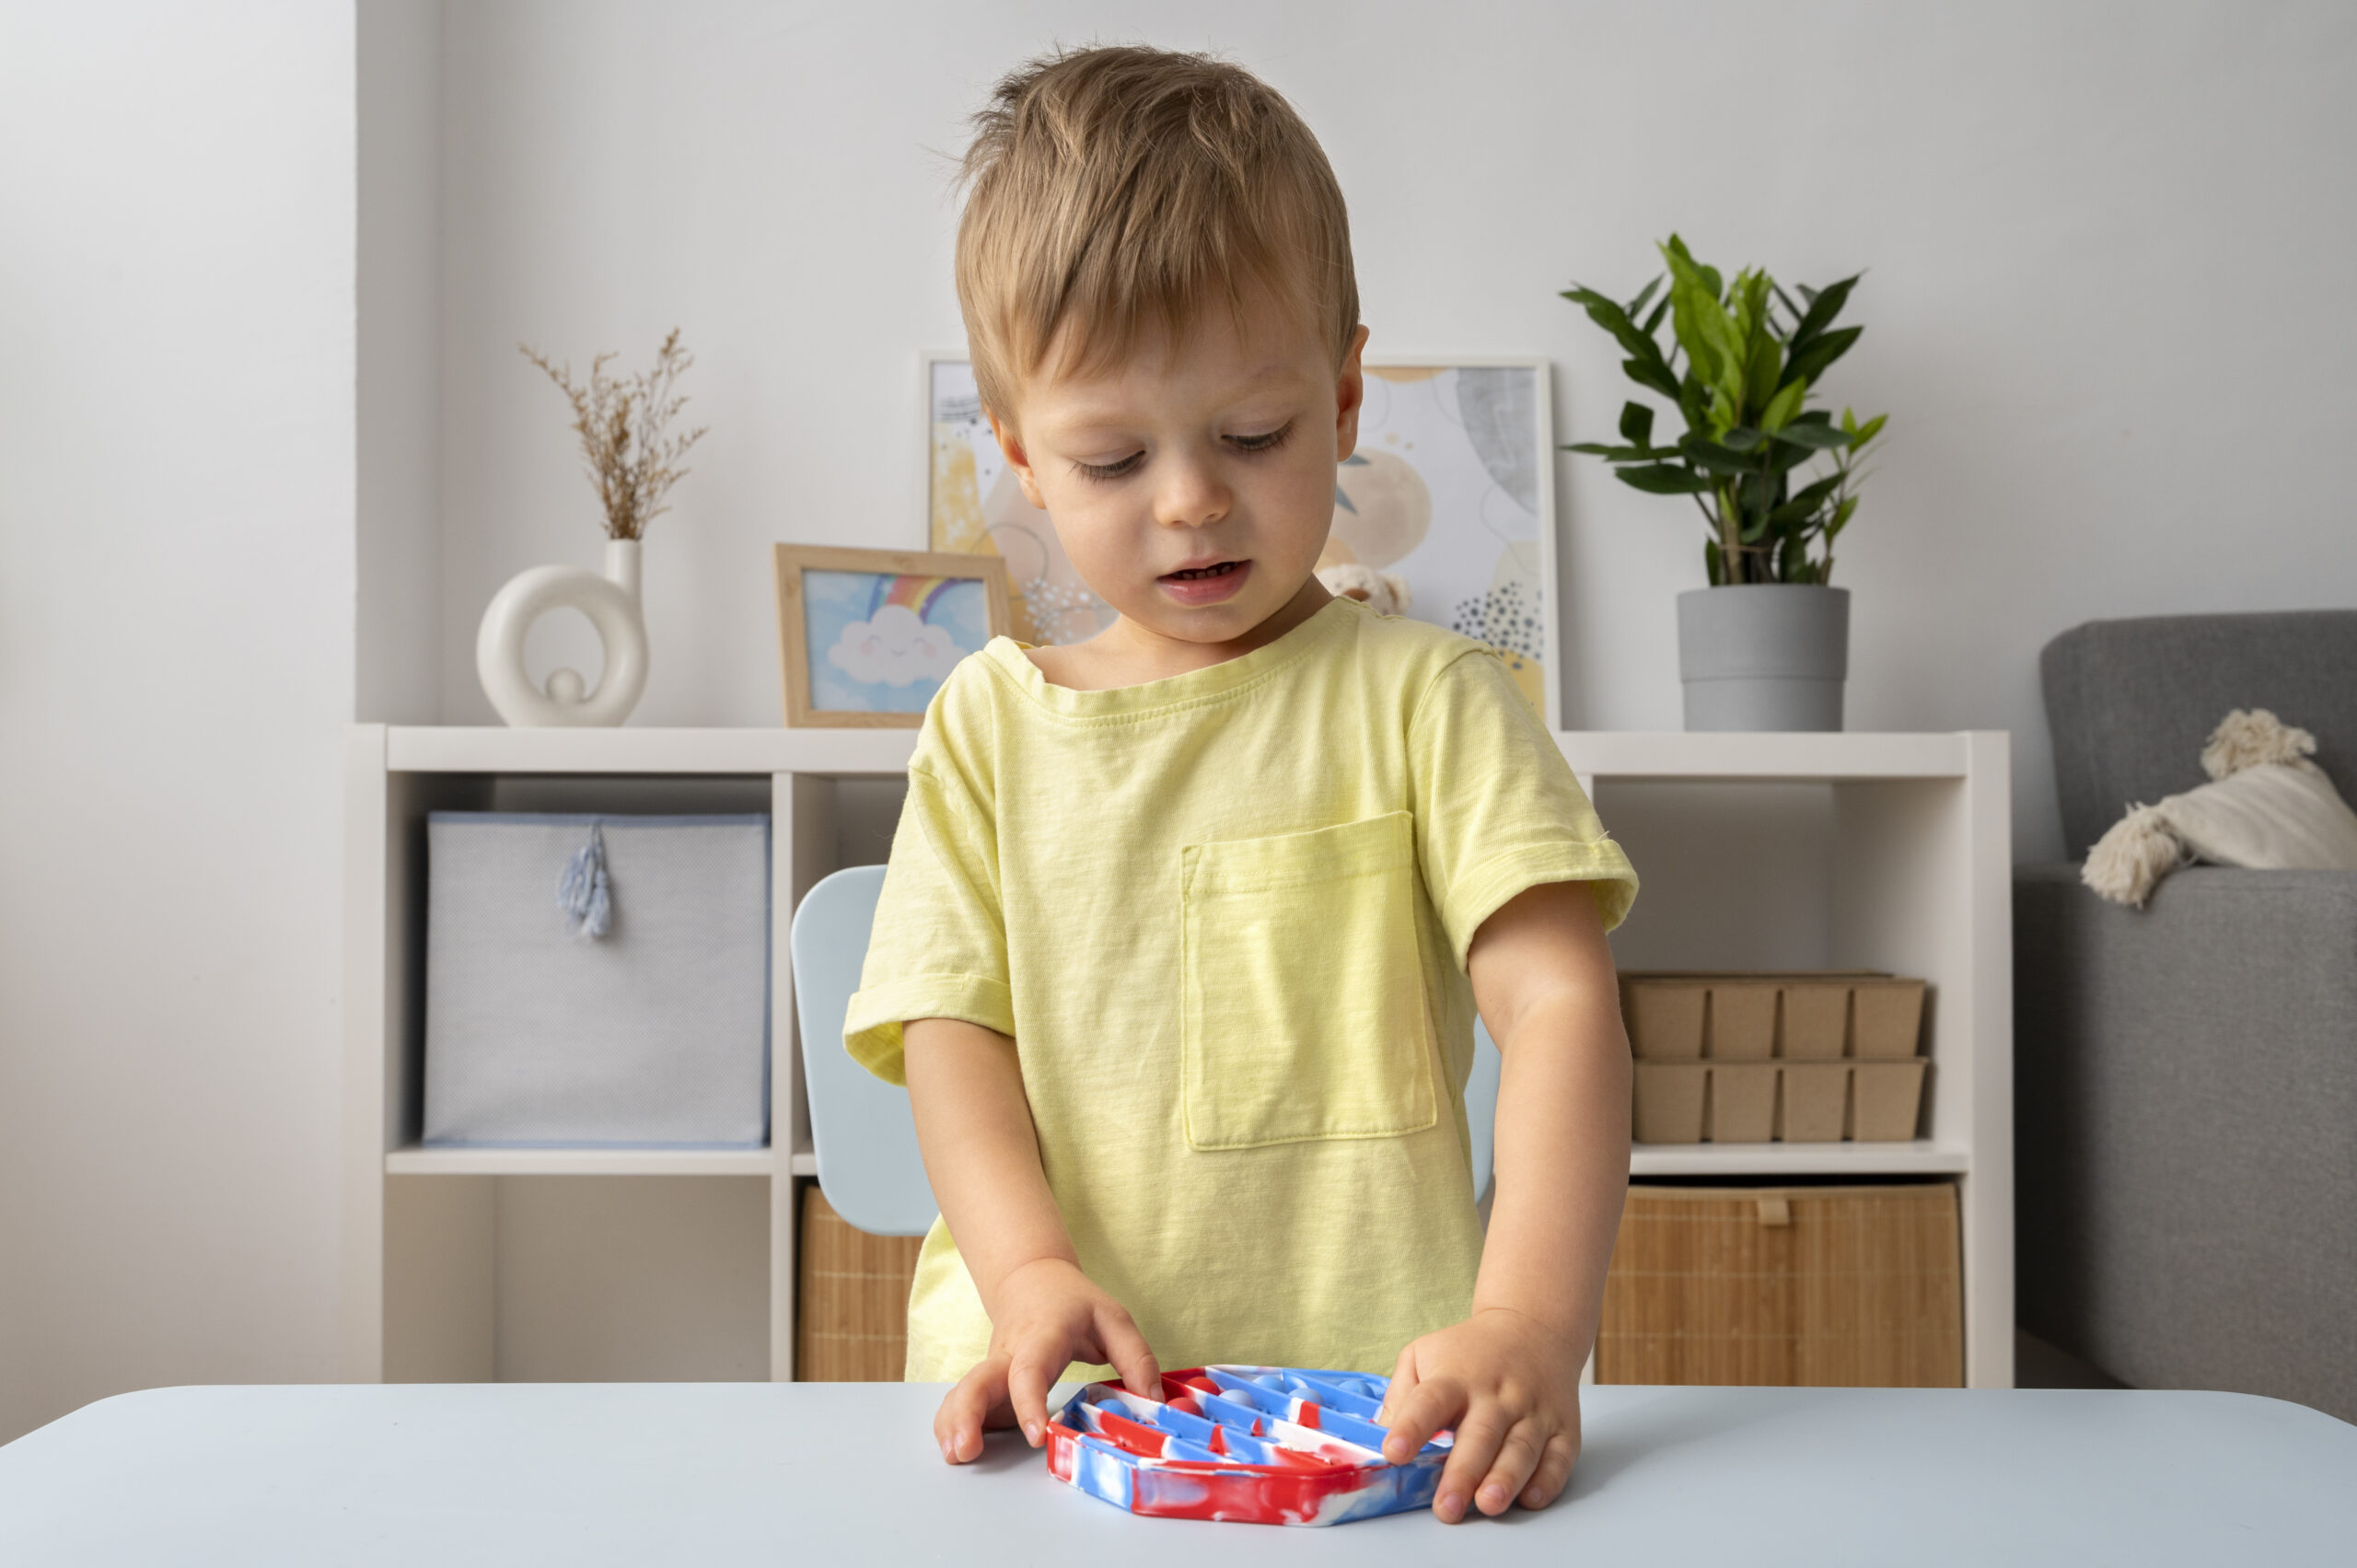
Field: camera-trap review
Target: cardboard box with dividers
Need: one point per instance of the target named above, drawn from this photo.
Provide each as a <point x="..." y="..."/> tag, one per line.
<point x="1814" y="1056"/>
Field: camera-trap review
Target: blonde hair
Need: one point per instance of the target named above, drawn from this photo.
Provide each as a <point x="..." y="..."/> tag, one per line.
<point x="1120" y="190"/>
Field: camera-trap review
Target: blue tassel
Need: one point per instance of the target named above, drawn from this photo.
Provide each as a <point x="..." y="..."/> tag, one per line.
<point x="582" y="891"/>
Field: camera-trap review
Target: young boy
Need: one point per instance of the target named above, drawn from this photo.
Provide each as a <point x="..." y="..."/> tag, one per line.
<point x="1185" y="926"/>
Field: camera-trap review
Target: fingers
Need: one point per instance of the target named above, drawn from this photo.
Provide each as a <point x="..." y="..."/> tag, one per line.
<point x="1517" y="1460"/>
<point x="1127" y="1351"/>
<point x="1554" y="1470"/>
<point x="1424" y="1409"/>
<point x="1479" y="1438"/>
<point x="1029" y="1379"/>
<point x="1404" y="1377"/>
<point x="957" y="1424"/>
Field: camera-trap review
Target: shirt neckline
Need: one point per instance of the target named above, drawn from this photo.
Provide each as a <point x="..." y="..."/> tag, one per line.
<point x="1188" y="688"/>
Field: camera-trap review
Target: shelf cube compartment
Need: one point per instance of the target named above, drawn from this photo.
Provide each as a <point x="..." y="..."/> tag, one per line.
<point x="635" y="1015"/>
<point x="1822" y="1286"/>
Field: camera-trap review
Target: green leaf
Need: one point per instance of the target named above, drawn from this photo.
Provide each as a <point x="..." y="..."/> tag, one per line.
<point x="1653" y="322"/>
<point x="1693" y="400"/>
<point x="1765" y="358"/>
<point x="1607" y="315"/>
<point x="1869" y="430"/>
<point x="1822" y="309"/>
<point x="1710" y="280"/>
<point x="1816" y="437"/>
<point x="1806" y="505"/>
<point x="1651" y="374"/>
<point x="1782" y="406"/>
<point x="1637" y="423"/>
<point x="1712" y="458"/>
<point x="1593" y="448"/>
<point x="1840" y="518"/>
<point x="1664" y="478"/>
<point x="1638" y="304"/>
<point x="1742" y="438"/>
<point x="1810" y="361"/>
<point x="1713" y="572"/>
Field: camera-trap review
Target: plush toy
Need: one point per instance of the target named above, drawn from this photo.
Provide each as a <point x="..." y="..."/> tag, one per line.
<point x="1384" y="592"/>
<point x="2269" y="808"/>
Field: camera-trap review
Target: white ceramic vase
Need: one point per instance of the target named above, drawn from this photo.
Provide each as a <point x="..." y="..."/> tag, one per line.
<point x="611" y="603"/>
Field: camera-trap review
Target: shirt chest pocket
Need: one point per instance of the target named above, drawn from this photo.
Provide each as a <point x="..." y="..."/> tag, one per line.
<point x="1302" y="1008"/>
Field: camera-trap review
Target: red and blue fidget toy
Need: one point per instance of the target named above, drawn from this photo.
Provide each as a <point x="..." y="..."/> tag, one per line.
<point x="1263" y="1444"/>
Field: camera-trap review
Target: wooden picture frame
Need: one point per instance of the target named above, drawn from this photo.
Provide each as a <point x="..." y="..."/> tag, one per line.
<point x="889" y="641"/>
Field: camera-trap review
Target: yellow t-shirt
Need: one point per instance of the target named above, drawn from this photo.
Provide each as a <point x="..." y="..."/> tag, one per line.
<point x="1224" y="916"/>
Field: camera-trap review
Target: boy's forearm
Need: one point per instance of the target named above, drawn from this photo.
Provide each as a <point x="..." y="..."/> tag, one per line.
<point x="1544" y="977"/>
<point x="1561" y="1160"/>
<point x="981" y="1151"/>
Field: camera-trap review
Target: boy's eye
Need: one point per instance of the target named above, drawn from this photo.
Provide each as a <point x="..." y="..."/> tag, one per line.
<point x="1267" y="442"/>
<point x="1108" y="472"/>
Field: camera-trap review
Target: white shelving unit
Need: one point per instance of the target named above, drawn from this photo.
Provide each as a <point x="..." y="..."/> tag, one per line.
<point x="1908" y="869"/>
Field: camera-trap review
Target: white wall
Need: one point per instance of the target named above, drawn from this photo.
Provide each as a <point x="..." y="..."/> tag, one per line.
<point x="176" y="665"/>
<point x="399" y="630"/>
<point x="2106" y="306"/>
<point x="2107" y="309"/>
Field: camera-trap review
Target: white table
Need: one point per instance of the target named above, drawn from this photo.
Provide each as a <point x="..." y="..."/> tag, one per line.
<point x="781" y="1474"/>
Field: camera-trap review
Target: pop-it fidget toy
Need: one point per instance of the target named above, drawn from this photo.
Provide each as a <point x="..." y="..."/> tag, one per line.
<point x="1263" y="1445"/>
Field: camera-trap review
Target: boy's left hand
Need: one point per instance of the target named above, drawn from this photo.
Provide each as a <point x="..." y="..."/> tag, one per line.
<point x="1511" y="1388"/>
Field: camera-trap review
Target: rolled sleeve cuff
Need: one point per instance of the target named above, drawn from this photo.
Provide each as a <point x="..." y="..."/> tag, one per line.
<point x="1600" y="863"/>
<point x="872" y="1022"/>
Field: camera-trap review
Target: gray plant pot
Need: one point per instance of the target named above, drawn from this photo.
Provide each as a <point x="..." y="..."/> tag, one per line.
<point x="1764" y="656"/>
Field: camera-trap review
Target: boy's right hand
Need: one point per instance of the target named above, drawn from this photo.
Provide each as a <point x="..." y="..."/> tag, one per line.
<point x="1046" y="1316"/>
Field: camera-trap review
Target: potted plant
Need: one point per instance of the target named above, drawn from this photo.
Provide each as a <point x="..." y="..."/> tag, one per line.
<point x="1766" y="646"/>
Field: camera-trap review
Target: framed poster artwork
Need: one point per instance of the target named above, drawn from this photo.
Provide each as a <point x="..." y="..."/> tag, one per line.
<point x="975" y="506"/>
<point x="865" y="637"/>
<point x="1452" y="489"/>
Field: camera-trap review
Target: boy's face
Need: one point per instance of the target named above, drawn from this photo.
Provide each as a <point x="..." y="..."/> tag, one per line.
<point x="1213" y="451"/>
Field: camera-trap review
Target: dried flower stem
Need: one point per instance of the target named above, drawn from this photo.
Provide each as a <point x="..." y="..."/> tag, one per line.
<point x="621" y="423"/>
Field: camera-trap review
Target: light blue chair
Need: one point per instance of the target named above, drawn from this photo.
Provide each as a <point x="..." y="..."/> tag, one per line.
<point x="861" y="1127"/>
<point x="865" y="1138"/>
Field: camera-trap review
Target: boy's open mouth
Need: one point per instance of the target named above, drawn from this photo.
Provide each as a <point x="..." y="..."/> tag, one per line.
<point x="1202" y="586"/>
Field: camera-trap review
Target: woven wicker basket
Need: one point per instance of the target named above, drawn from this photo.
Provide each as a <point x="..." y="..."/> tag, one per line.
<point x="852" y="1321"/>
<point x="1825" y="1286"/>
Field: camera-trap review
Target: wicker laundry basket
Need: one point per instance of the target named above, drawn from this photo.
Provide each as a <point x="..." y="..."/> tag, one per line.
<point x="852" y="1322"/>
<point x="1826" y="1286"/>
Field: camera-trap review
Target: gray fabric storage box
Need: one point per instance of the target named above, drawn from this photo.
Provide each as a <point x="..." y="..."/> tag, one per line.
<point x="653" y="1035"/>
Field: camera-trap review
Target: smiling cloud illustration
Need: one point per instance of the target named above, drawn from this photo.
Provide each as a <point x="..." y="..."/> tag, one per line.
<point x="894" y="647"/>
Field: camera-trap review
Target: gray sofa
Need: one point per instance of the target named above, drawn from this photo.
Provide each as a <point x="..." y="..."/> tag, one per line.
<point x="2185" y="1102"/>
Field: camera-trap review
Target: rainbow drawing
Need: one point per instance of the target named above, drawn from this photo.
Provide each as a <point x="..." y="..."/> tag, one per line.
<point x="919" y="594"/>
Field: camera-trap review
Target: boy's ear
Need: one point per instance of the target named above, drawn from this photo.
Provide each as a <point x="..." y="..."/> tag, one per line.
<point x="1011" y="446"/>
<point x="1350" y="396"/>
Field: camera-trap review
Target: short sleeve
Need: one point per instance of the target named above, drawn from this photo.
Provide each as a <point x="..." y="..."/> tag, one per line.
<point x="938" y="948"/>
<point x="1498" y="810"/>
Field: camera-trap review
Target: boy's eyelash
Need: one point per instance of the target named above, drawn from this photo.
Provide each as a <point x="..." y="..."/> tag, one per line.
<point x="1105" y="472"/>
<point x="1269" y="441"/>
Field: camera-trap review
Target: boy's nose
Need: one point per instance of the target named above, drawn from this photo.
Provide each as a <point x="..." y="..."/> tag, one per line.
<point x="1191" y="496"/>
